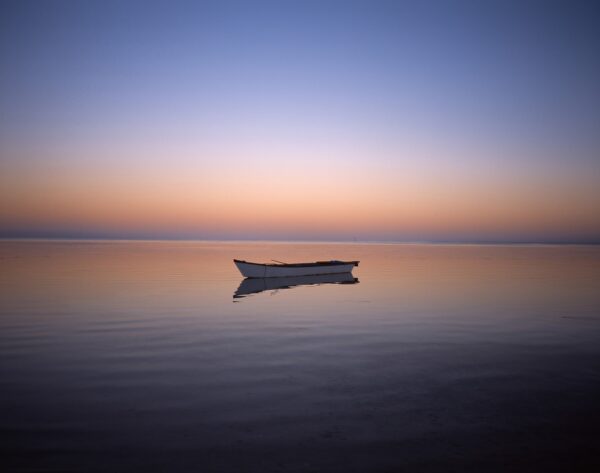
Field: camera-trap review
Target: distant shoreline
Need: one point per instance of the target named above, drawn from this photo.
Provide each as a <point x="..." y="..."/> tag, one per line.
<point x="307" y="242"/>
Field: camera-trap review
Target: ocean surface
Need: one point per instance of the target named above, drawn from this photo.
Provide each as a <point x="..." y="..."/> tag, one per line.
<point x="154" y="357"/>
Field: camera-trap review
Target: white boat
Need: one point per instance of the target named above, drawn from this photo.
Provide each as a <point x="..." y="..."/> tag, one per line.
<point x="255" y="285"/>
<point x="262" y="270"/>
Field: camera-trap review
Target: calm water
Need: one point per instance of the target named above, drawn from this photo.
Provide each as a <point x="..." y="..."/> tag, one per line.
<point x="135" y="356"/>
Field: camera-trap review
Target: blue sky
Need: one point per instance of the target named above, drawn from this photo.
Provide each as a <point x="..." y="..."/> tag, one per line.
<point x="495" y="93"/>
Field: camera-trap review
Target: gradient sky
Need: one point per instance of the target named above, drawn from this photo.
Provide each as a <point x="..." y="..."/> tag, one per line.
<point x="437" y="121"/>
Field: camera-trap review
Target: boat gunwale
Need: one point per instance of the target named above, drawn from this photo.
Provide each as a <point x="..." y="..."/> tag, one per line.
<point x="300" y="265"/>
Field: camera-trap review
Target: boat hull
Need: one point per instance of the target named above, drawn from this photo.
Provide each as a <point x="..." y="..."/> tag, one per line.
<point x="256" y="270"/>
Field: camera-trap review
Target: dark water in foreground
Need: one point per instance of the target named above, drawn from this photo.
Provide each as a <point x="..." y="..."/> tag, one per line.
<point x="135" y="357"/>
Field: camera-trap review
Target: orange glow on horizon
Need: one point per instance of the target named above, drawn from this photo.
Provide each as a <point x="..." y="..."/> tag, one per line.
<point x="298" y="200"/>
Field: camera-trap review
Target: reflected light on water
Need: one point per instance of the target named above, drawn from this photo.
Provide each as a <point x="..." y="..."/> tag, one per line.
<point x="444" y="356"/>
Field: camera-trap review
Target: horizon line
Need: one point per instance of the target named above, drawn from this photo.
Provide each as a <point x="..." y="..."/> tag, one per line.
<point x="307" y="241"/>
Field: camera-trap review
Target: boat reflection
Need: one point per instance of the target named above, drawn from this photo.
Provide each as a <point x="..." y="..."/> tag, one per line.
<point x="256" y="285"/>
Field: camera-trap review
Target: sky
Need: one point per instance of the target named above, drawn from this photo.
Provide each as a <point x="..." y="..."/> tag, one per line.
<point x="328" y="120"/>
